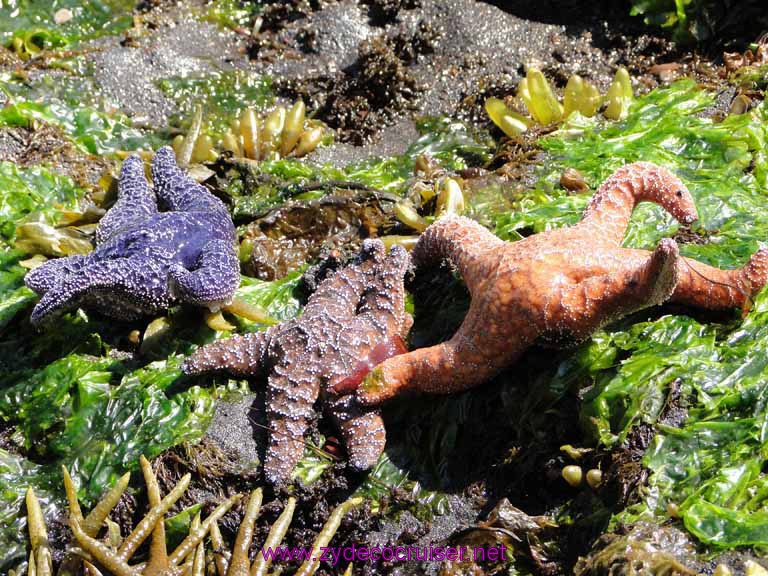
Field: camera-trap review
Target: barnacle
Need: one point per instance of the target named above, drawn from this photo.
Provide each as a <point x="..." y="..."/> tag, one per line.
<point x="279" y="134"/>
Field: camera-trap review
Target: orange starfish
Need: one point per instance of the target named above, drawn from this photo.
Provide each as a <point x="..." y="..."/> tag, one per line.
<point x="558" y="286"/>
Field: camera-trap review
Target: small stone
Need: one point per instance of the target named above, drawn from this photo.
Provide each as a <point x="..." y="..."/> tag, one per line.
<point x="573" y="180"/>
<point x="62" y="16"/>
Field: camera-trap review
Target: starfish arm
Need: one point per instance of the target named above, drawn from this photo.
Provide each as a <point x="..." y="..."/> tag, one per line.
<point x="609" y="210"/>
<point x="362" y="430"/>
<point x="470" y="247"/>
<point x="340" y="294"/>
<point x="240" y="355"/>
<point x="213" y="281"/>
<point x="290" y="400"/>
<point x="383" y="303"/>
<point x="47" y="275"/>
<point x="176" y="190"/>
<point x="636" y="279"/>
<point x="715" y="289"/>
<point x="478" y="351"/>
<point x="138" y="280"/>
<point x="135" y="201"/>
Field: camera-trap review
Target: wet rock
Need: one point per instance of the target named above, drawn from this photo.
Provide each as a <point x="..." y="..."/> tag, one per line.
<point x="176" y="46"/>
<point x="232" y="429"/>
<point x="460" y="52"/>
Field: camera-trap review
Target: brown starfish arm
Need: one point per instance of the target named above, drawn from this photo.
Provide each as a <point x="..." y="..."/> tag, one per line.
<point x="341" y="293"/>
<point x="610" y="209"/>
<point x="382" y="305"/>
<point x="289" y="406"/>
<point x="362" y="430"/>
<point x="631" y="284"/>
<point x="474" y="250"/>
<point x="240" y="355"/>
<point x="715" y="289"/>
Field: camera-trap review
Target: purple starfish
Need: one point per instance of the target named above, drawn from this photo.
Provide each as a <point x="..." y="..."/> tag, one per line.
<point x="146" y="260"/>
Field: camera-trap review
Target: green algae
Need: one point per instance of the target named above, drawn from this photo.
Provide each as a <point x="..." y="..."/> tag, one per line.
<point x="33" y="21"/>
<point x="231" y="13"/>
<point x="92" y="130"/>
<point x="33" y="189"/>
<point x="220" y="94"/>
<point x="16" y="474"/>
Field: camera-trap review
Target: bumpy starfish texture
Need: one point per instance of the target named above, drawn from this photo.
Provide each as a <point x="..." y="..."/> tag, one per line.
<point x="559" y="286"/>
<point x="355" y="319"/>
<point x="146" y="260"/>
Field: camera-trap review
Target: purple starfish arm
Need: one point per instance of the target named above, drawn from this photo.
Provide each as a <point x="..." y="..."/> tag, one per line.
<point x="214" y="278"/>
<point x="176" y="191"/>
<point x="135" y="201"/>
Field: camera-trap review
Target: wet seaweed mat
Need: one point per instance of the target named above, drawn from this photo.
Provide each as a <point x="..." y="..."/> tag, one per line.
<point x="665" y="413"/>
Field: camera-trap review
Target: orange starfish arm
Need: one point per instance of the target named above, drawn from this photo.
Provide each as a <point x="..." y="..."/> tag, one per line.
<point x="625" y="287"/>
<point x="610" y="209"/>
<point x="474" y="250"/>
<point x="715" y="289"/>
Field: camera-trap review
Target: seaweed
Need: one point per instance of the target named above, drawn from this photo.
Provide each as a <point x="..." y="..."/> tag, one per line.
<point x="36" y="24"/>
<point x="32" y="189"/>
<point x="93" y="131"/>
<point x="221" y="94"/>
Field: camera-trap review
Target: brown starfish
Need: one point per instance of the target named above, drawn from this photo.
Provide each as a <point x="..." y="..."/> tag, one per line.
<point x="355" y="319"/>
<point x="558" y="286"/>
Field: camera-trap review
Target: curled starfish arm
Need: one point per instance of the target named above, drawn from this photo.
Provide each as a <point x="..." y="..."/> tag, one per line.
<point x="467" y="244"/>
<point x="214" y="279"/>
<point x="290" y="398"/>
<point x="135" y="201"/>
<point x="241" y="355"/>
<point x="715" y="289"/>
<point x="46" y="276"/>
<point x="610" y="209"/>
<point x="176" y="190"/>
